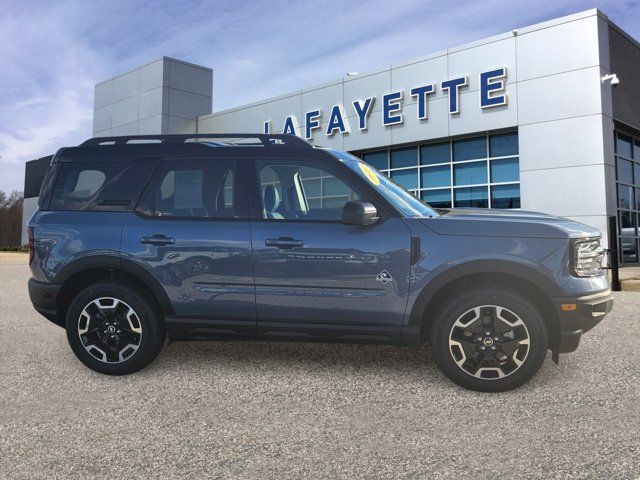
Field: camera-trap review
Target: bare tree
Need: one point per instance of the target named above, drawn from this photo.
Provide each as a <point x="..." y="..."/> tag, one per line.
<point x="10" y="219"/>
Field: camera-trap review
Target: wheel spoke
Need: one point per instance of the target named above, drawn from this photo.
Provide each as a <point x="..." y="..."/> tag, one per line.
<point x="92" y="337"/>
<point x="128" y="336"/>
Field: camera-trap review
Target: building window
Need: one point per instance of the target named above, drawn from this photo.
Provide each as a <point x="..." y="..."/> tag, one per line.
<point x="475" y="172"/>
<point x="628" y="197"/>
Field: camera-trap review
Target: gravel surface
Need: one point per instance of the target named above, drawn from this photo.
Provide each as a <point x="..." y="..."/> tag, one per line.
<point x="274" y="410"/>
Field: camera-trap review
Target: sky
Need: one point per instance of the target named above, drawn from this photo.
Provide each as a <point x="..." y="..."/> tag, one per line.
<point x="52" y="53"/>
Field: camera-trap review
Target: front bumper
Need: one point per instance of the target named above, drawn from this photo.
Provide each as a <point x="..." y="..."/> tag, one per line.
<point x="44" y="297"/>
<point x="579" y="315"/>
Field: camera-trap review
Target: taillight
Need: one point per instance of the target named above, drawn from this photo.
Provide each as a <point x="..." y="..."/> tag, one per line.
<point x="32" y="244"/>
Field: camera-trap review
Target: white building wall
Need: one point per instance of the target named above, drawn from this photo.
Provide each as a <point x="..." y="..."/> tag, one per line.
<point x="564" y="151"/>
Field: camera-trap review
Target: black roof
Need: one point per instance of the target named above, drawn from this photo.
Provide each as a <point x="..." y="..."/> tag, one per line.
<point x="126" y="148"/>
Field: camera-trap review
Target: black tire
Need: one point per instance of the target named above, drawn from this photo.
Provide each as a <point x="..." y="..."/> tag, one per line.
<point x="144" y="328"/>
<point x="459" y="351"/>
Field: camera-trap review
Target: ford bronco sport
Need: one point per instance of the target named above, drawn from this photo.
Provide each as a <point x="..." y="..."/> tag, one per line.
<point x="265" y="236"/>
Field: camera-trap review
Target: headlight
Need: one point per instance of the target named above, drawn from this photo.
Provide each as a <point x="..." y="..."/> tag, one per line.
<point x="587" y="258"/>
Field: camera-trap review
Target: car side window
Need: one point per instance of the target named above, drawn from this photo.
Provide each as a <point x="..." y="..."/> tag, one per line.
<point x="192" y="188"/>
<point x="99" y="186"/>
<point x="302" y="190"/>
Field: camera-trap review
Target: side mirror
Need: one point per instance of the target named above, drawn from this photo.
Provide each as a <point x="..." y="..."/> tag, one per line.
<point x="359" y="213"/>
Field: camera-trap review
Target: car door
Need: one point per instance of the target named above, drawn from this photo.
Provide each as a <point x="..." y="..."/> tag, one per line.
<point x="315" y="275"/>
<point x="191" y="231"/>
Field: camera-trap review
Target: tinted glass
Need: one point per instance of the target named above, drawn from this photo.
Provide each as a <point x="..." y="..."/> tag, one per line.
<point x="469" y="149"/>
<point x="438" y="198"/>
<point x="475" y="197"/>
<point x="503" y="144"/>
<point x="505" y="196"/>
<point x="623" y="146"/>
<point x="406" y="203"/>
<point x="625" y="197"/>
<point x="435" y="153"/>
<point x="439" y="176"/>
<point x="636" y="149"/>
<point x="628" y="232"/>
<point x="193" y="189"/>
<point x="299" y="191"/>
<point x="404" y="157"/>
<point x="406" y="178"/>
<point x="505" y="170"/>
<point x="470" y="173"/>
<point x="636" y="170"/>
<point x="377" y="160"/>
<point x="624" y="170"/>
<point x="112" y="186"/>
<point x="630" y="250"/>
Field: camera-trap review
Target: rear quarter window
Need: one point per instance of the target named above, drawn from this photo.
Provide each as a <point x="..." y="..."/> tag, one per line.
<point x="112" y="186"/>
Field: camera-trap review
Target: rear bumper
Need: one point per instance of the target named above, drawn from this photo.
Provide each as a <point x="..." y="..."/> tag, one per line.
<point x="44" y="297"/>
<point x="589" y="310"/>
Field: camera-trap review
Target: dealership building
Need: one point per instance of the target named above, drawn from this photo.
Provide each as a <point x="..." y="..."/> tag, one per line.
<point x="543" y="118"/>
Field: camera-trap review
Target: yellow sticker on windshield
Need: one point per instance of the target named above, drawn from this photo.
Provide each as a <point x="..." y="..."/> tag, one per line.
<point x="371" y="175"/>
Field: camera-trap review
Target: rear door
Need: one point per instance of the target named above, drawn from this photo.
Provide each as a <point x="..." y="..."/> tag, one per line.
<point x="191" y="231"/>
<point x="314" y="274"/>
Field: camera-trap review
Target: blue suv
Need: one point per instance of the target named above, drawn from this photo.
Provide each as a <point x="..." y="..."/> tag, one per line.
<point x="265" y="236"/>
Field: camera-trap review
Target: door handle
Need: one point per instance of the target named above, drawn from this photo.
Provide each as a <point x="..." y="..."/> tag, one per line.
<point x="158" y="239"/>
<point x="283" y="242"/>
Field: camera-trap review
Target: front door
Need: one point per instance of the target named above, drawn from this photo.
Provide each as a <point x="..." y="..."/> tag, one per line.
<point x="315" y="275"/>
<point x="192" y="233"/>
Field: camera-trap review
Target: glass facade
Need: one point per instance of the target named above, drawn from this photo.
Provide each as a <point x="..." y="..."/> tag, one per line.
<point x="628" y="195"/>
<point x="481" y="171"/>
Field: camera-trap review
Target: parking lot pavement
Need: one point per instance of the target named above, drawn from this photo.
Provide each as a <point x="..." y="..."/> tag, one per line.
<point x="13" y="258"/>
<point x="273" y="410"/>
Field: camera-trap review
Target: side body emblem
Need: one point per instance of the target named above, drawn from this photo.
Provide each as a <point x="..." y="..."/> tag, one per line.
<point x="384" y="277"/>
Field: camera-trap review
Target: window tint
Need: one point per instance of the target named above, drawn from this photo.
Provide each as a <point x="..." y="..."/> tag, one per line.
<point x="407" y="179"/>
<point x="475" y="197"/>
<point x="435" y="153"/>
<point x="404" y="157"/>
<point x="439" y="176"/>
<point x="192" y="188"/>
<point x="623" y="146"/>
<point x="300" y="191"/>
<point x="470" y="173"/>
<point x="378" y="160"/>
<point x="470" y="149"/>
<point x="505" y="196"/>
<point x="503" y="144"/>
<point x="505" y="170"/>
<point x="438" y="198"/>
<point x="625" y="171"/>
<point x="112" y="186"/>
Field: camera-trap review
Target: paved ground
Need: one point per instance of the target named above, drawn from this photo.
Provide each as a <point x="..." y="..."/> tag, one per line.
<point x="14" y="258"/>
<point x="274" y="410"/>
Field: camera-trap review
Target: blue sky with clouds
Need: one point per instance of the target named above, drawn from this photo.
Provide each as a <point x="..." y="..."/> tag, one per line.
<point x="52" y="53"/>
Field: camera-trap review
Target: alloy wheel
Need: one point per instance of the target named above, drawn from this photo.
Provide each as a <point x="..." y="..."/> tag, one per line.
<point x="489" y="342"/>
<point x="110" y="330"/>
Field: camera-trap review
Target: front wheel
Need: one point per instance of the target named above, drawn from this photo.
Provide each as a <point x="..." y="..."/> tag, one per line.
<point x="113" y="329"/>
<point x="489" y="339"/>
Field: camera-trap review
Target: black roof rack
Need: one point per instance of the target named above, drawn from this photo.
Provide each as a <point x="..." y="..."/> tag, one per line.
<point x="264" y="139"/>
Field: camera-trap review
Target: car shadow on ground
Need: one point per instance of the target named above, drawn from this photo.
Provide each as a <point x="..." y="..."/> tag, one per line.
<point x="307" y="355"/>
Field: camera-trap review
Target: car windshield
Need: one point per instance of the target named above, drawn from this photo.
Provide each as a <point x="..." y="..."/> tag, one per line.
<point x="405" y="202"/>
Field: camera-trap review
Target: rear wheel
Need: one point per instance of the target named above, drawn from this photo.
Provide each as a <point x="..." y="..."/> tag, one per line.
<point x="489" y="339"/>
<point x="113" y="329"/>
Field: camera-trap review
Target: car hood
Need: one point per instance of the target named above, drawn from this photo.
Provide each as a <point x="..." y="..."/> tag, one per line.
<point x="506" y="223"/>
